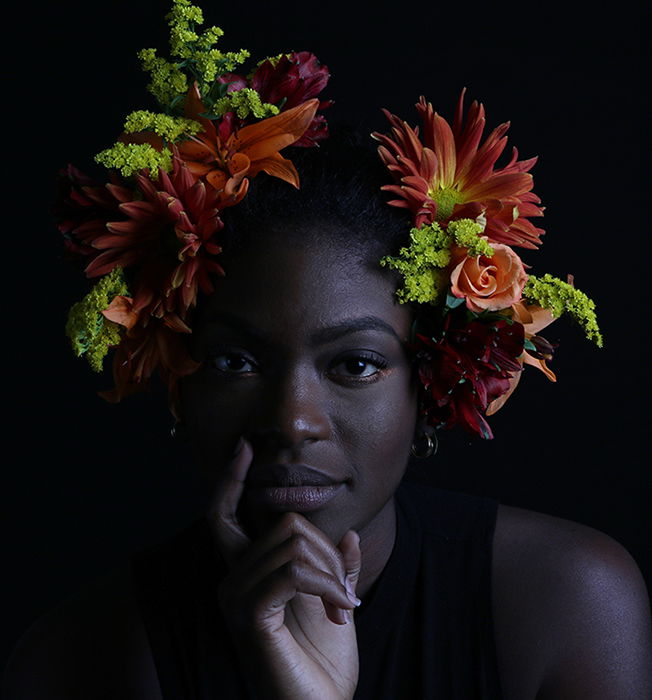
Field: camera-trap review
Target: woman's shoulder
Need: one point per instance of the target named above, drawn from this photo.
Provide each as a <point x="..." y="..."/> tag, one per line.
<point x="571" y="610"/>
<point x="92" y="645"/>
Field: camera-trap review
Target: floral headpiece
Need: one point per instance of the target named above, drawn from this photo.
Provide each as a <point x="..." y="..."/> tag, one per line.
<point x="479" y="312"/>
<point x="150" y="236"/>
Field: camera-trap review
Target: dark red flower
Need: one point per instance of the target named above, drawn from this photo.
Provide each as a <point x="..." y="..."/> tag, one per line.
<point x="82" y="207"/>
<point x="291" y="80"/>
<point x="467" y="368"/>
<point x="166" y="231"/>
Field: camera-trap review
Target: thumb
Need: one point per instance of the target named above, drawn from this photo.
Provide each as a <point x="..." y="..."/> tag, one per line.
<point x="352" y="556"/>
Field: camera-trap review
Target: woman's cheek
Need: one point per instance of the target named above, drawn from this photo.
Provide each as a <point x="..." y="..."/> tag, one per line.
<point x="381" y="419"/>
<point x="214" y="418"/>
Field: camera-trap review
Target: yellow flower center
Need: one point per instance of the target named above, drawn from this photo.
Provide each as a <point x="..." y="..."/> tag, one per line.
<point x="446" y="198"/>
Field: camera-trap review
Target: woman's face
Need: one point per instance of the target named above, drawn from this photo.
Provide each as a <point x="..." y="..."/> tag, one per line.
<point x="304" y="355"/>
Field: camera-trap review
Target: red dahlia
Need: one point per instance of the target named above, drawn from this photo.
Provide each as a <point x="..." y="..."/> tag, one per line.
<point x="165" y="234"/>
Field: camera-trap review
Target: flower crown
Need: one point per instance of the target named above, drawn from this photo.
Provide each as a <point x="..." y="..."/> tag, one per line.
<point x="151" y="234"/>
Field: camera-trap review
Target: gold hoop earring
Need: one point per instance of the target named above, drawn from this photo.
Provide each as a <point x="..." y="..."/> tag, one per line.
<point x="430" y="448"/>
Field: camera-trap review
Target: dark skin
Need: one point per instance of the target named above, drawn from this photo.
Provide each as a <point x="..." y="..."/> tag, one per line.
<point x="570" y="608"/>
<point x="314" y="376"/>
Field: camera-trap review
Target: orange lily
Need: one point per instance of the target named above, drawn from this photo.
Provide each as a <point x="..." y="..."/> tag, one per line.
<point x="226" y="160"/>
<point x="533" y="318"/>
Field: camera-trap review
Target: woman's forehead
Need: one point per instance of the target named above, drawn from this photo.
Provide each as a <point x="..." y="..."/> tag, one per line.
<point x="312" y="290"/>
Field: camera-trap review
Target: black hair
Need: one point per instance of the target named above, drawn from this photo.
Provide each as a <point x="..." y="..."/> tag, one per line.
<point x="339" y="198"/>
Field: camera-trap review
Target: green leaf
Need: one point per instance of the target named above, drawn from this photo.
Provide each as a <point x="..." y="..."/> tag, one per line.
<point x="452" y="302"/>
<point x="529" y="345"/>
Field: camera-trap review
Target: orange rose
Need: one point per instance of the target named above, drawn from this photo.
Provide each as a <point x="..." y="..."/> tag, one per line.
<point x="488" y="284"/>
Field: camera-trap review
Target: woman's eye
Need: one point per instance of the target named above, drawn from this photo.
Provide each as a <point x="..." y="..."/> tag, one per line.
<point x="232" y="362"/>
<point x="359" y="366"/>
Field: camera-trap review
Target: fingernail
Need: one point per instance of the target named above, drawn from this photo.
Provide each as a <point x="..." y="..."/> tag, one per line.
<point x="350" y="591"/>
<point x="348" y="616"/>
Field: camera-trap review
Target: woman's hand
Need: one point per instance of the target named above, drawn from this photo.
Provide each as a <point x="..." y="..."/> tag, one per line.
<point x="285" y="598"/>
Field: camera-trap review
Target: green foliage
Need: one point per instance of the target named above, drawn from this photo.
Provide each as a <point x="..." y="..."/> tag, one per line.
<point x="423" y="262"/>
<point x="90" y="333"/>
<point x="129" y="158"/>
<point x="558" y="296"/>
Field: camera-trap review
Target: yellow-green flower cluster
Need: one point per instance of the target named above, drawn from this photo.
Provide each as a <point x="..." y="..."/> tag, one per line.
<point x="181" y="20"/>
<point x="90" y="333"/>
<point x="170" y="128"/>
<point x="423" y="262"/>
<point x="272" y="59"/>
<point x="244" y="102"/>
<point x="558" y="296"/>
<point x="212" y="63"/>
<point x="467" y="234"/>
<point x="167" y="81"/>
<point x="129" y="158"/>
<point x="195" y="52"/>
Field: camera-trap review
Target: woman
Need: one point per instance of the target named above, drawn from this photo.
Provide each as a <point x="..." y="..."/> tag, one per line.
<point x="303" y="351"/>
<point x="302" y="399"/>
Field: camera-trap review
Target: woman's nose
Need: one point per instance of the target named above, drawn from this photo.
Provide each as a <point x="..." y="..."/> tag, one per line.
<point x="292" y="412"/>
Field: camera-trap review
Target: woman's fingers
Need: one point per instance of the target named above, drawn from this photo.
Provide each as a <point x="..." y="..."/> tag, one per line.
<point x="294" y="546"/>
<point x="352" y="557"/>
<point x="304" y="537"/>
<point x="227" y="530"/>
<point x="270" y="596"/>
<point x="297" y="547"/>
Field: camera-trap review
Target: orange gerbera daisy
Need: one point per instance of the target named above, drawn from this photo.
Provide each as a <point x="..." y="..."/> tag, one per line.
<point x="448" y="175"/>
<point x="227" y="158"/>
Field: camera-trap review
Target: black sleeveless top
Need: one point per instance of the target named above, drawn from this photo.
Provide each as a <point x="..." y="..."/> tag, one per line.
<point x="424" y="629"/>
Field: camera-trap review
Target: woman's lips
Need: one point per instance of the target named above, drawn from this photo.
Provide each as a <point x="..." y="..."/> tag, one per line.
<point x="293" y="498"/>
<point x="291" y="487"/>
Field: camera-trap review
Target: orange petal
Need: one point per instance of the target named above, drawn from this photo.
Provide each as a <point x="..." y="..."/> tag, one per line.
<point x="534" y="318"/>
<point x="510" y="184"/>
<point x="217" y="179"/>
<point x="239" y="164"/>
<point x="270" y="135"/>
<point x="277" y="166"/>
<point x="445" y="151"/>
<point x="120" y="310"/>
<point x="197" y="149"/>
<point x="539" y="364"/>
<point x="198" y="169"/>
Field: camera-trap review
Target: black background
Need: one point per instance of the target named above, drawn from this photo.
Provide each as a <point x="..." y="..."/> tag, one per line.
<point x="86" y="483"/>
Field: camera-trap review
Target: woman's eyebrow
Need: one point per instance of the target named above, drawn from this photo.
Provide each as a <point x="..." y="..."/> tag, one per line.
<point x="364" y="323"/>
<point x="319" y="337"/>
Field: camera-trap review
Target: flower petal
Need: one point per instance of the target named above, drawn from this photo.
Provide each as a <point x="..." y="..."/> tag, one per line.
<point x="277" y="166"/>
<point x="268" y="136"/>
